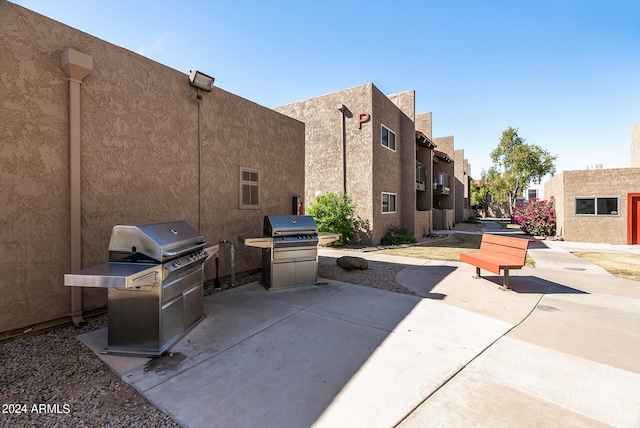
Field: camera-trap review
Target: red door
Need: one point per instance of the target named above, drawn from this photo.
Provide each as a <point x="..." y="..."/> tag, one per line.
<point x="633" y="216"/>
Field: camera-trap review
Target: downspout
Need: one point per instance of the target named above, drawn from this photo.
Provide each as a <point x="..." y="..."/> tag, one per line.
<point x="76" y="67"/>
<point x="197" y="98"/>
<point x="344" y="110"/>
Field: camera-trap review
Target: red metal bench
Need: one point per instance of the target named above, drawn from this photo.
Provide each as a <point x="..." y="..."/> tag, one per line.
<point x="498" y="253"/>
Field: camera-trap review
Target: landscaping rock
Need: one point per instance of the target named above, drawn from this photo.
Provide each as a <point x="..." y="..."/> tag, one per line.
<point x="352" y="263"/>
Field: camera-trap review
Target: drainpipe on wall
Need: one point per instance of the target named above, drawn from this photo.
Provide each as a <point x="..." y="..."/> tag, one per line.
<point x="345" y="113"/>
<point x="197" y="98"/>
<point x="76" y="67"/>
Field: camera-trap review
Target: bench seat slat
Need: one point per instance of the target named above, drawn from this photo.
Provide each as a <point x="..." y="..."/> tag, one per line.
<point x="488" y="263"/>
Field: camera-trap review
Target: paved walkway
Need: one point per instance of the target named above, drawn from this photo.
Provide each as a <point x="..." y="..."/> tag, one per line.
<point x="559" y="349"/>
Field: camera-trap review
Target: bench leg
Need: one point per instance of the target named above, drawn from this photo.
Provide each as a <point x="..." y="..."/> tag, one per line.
<point x="477" y="273"/>
<point x="506" y="278"/>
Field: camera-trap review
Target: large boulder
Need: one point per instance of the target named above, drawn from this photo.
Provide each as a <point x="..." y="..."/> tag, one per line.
<point x="352" y="263"/>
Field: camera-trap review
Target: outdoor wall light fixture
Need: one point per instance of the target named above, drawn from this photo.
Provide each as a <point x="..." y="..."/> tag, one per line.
<point x="200" y="80"/>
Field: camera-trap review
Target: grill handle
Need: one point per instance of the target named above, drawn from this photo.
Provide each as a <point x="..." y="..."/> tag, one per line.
<point x="184" y="250"/>
<point x="300" y="232"/>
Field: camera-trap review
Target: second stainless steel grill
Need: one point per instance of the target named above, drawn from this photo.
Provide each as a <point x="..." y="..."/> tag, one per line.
<point x="289" y="250"/>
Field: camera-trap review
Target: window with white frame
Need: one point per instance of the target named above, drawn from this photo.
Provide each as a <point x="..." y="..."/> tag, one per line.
<point x="388" y="138"/>
<point x="249" y="188"/>
<point x="597" y="205"/>
<point x="388" y="202"/>
<point x="532" y="194"/>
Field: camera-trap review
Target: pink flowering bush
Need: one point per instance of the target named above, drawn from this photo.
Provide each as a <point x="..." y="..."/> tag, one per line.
<point x="536" y="217"/>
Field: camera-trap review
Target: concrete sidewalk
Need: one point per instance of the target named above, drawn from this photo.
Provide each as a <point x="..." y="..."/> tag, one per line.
<point x="560" y="348"/>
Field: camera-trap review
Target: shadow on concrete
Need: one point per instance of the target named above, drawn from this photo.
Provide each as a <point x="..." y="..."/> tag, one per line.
<point x="422" y="279"/>
<point x="532" y="284"/>
<point x="538" y="245"/>
<point x="285" y="358"/>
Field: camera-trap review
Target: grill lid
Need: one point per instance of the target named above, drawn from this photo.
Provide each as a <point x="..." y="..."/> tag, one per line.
<point x="160" y="241"/>
<point x="275" y="225"/>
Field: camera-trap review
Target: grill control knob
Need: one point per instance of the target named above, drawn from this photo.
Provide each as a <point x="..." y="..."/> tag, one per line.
<point x="177" y="263"/>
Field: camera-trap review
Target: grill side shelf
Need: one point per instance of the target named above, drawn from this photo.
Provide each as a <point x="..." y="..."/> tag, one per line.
<point x="256" y="241"/>
<point x="115" y="275"/>
<point x="325" y="238"/>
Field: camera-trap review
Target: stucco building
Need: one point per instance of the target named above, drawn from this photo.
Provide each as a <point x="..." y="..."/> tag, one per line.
<point x="151" y="148"/>
<point x="375" y="148"/>
<point x="599" y="205"/>
<point x="359" y="142"/>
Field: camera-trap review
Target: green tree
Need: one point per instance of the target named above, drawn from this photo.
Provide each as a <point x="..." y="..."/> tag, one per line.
<point x="516" y="165"/>
<point x="335" y="213"/>
<point x="480" y="193"/>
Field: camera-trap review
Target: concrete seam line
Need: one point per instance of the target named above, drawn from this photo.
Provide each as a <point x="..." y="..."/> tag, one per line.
<point x="471" y="360"/>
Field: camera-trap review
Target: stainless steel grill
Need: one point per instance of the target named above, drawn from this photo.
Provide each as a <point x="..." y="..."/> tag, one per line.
<point x="289" y="250"/>
<point x="155" y="281"/>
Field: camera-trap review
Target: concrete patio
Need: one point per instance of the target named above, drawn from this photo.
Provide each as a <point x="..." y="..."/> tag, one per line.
<point x="561" y="348"/>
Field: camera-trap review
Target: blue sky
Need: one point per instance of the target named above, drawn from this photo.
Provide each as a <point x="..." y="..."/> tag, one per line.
<point x="566" y="73"/>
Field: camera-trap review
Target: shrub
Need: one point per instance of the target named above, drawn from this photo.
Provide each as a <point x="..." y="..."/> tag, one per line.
<point x="472" y="219"/>
<point x="536" y="217"/>
<point x="397" y="235"/>
<point x="334" y="213"/>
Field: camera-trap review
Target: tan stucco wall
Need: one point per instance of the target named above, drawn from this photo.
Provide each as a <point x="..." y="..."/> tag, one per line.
<point x="555" y="188"/>
<point x="371" y="168"/>
<point x="445" y="145"/>
<point x="615" y="182"/>
<point x="139" y="139"/>
<point x="406" y="147"/>
<point x="324" y="159"/>
<point x="424" y="124"/>
<point x="406" y="102"/>
<point x="635" y="146"/>
<point x="392" y="169"/>
<point x="443" y="219"/>
<point x="423" y="223"/>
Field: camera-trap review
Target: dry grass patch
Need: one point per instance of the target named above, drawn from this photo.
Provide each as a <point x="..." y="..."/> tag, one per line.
<point x="447" y="249"/>
<point x="625" y="266"/>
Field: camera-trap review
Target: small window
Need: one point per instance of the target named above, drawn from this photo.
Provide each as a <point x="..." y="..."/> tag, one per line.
<point x="606" y="206"/>
<point x="597" y="206"/>
<point x="388" y="202"/>
<point x="249" y="188"/>
<point x="532" y="194"/>
<point x="388" y="138"/>
<point x="585" y="206"/>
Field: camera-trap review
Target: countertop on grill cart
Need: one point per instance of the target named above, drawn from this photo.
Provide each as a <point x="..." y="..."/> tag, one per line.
<point x="113" y="274"/>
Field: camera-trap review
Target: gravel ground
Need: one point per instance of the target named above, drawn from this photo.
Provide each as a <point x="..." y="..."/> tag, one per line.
<point x="53" y="380"/>
<point x="379" y="275"/>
